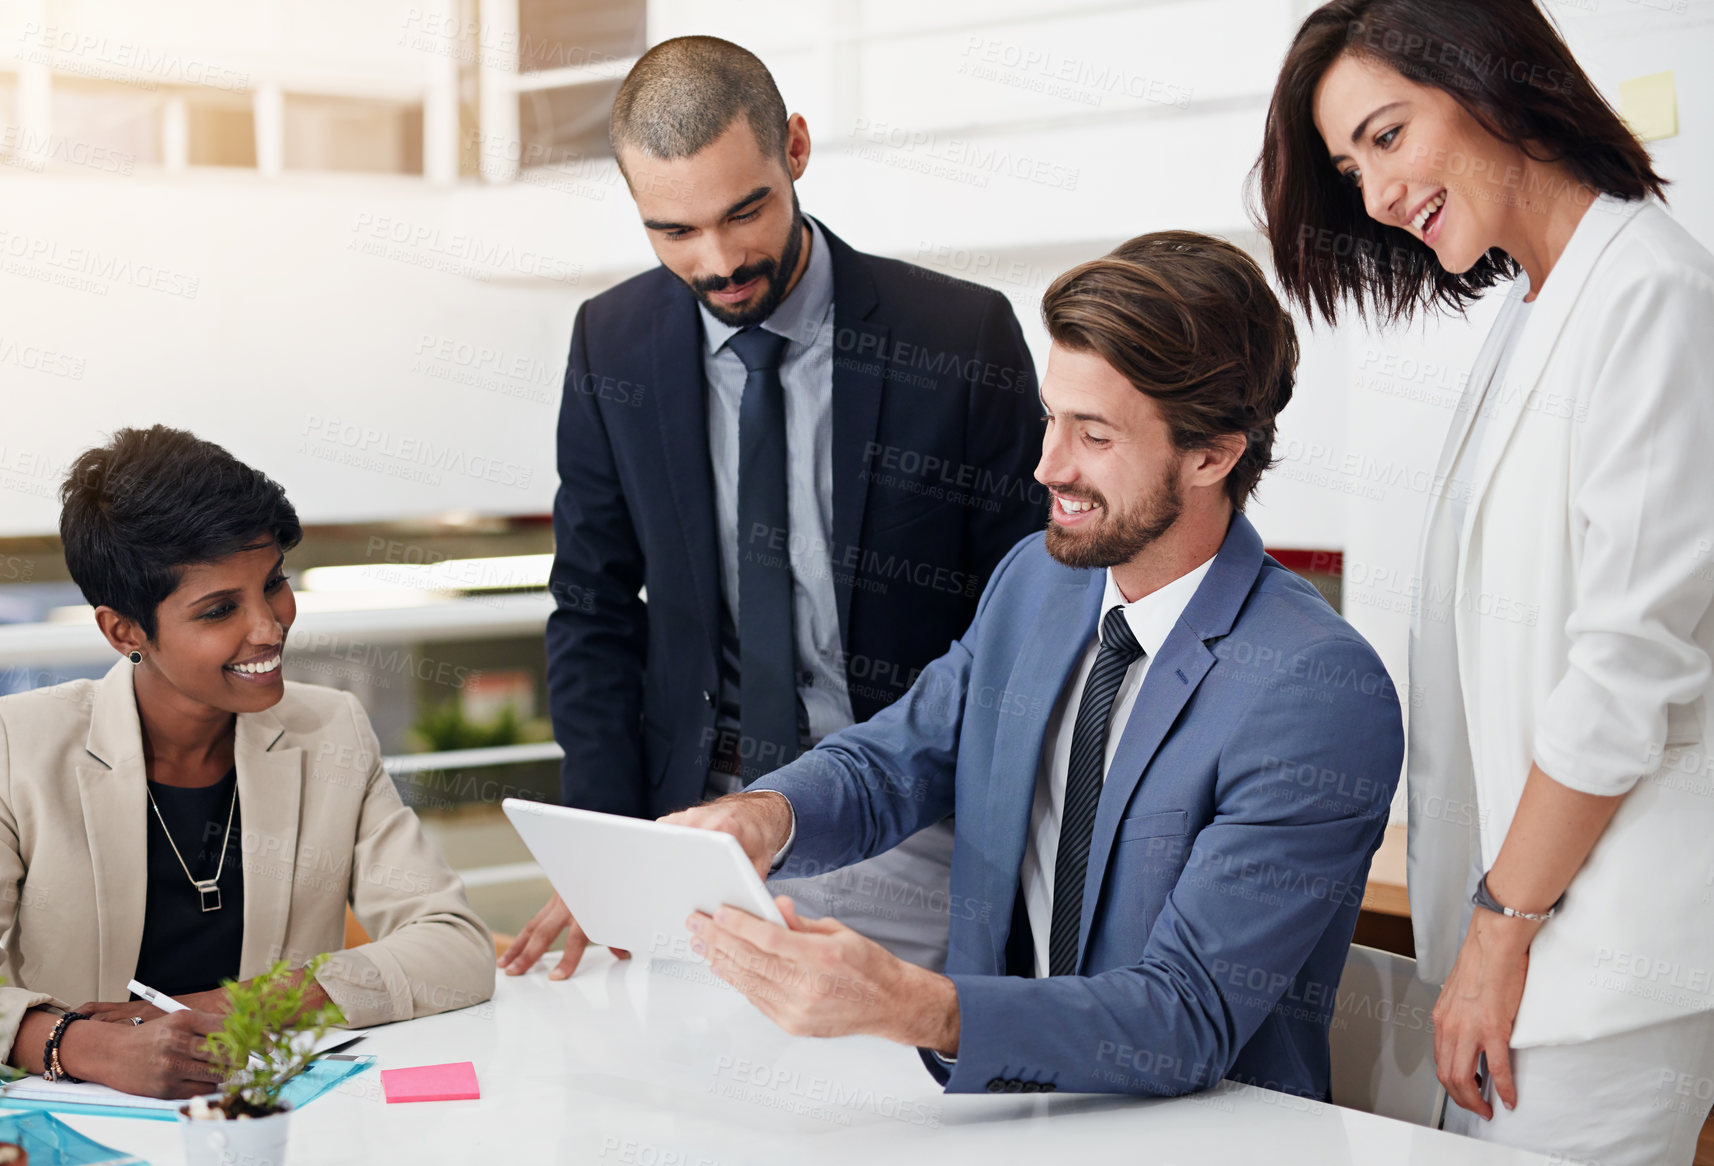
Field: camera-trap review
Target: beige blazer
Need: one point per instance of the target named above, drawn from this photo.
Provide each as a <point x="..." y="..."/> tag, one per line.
<point x="322" y="827"/>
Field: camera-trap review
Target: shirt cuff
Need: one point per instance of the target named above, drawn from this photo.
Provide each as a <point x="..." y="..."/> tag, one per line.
<point x="949" y="1062"/>
<point x="784" y="852"/>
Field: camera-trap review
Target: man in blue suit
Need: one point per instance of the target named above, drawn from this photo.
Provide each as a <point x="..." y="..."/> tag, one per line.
<point x="809" y="459"/>
<point x="1171" y="761"/>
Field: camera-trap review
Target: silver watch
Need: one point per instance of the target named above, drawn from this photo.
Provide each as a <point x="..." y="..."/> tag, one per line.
<point x="1484" y="898"/>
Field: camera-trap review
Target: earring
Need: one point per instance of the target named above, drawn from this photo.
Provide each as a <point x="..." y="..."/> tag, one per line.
<point x="136" y="657"/>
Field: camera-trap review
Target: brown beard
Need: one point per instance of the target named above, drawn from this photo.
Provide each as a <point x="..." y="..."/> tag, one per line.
<point x="1125" y="534"/>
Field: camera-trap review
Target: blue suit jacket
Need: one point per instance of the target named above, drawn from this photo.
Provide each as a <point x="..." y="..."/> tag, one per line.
<point x="936" y="436"/>
<point x="1231" y="846"/>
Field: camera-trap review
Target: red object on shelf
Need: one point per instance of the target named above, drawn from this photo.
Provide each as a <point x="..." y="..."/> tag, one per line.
<point x="1311" y="562"/>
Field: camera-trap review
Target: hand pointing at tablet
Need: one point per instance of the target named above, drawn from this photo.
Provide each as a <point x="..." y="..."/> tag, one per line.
<point x="762" y="824"/>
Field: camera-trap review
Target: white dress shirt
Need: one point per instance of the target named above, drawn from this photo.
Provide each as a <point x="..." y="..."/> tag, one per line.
<point x="1150" y="618"/>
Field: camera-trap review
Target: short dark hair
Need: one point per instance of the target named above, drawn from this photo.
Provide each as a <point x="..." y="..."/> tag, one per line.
<point x="1190" y="321"/>
<point x="684" y="93"/>
<point x="151" y="502"/>
<point x="1499" y="59"/>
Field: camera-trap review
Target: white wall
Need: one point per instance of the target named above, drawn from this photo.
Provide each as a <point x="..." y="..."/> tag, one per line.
<point x="329" y="298"/>
<point x="1003" y="140"/>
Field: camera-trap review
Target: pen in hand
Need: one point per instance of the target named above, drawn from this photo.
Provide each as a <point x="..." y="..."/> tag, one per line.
<point x="159" y="999"/>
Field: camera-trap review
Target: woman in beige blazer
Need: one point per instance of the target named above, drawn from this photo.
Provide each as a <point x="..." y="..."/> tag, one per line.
<point x="191" y="817"/>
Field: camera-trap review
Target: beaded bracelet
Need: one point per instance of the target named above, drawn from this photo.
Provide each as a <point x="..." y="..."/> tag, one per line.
<point x="52" y="1070"/>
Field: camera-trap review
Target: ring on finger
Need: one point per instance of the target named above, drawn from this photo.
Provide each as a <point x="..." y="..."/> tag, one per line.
<point x="136" y="1020"/>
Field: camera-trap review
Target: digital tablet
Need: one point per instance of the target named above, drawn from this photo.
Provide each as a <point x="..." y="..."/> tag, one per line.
<point x="631" y="883"/>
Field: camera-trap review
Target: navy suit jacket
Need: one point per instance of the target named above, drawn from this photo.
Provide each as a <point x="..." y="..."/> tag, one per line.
<point x="936" y="436"/>
<point x="1231" y="845"/>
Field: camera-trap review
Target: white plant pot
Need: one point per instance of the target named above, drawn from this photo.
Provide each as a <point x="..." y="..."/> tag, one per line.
<point x="256" y="1141"/>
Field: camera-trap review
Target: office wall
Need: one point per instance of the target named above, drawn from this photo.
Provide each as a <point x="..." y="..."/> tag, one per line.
<point x="389" y="348"/>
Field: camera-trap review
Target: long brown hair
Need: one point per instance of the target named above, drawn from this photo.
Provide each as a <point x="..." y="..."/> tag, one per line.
<point x="1499" y="59"/>
<point x="1190" y="321"/>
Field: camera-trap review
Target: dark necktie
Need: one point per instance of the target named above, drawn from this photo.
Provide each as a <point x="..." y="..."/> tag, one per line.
<point x="767" y="686"/>
<point x="1083" y="781"/>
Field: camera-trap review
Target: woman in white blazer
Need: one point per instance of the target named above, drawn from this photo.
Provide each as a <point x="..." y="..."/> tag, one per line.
<point x="192" y="818"/>
<point x="1417" y="153"/>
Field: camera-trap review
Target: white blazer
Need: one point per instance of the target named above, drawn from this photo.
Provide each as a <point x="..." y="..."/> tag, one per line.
<point x="1568" y="623"/>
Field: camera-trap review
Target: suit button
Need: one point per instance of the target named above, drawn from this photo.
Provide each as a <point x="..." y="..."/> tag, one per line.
<point x="1047" y="1087"/>
<point x="995" y="1085"/>
<point x="1029" y="1087"/>
<point x="1013" y="1085"/>
<point x="708" y="698"/>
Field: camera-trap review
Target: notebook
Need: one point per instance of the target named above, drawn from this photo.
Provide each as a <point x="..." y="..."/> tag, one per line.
<point x="101" y="1101"/>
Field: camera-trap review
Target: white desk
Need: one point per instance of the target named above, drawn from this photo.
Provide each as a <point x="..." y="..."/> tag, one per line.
<point x="633" y="1065"/>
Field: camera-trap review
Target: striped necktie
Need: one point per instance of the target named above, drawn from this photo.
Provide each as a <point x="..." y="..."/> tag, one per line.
<point x="1083" y="780"/>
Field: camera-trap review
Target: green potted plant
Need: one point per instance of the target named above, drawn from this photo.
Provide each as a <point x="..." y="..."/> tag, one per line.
<point x="268" y="1038"/>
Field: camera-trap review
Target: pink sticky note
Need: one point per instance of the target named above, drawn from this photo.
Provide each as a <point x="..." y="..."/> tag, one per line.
<point x="454" y="1082"/>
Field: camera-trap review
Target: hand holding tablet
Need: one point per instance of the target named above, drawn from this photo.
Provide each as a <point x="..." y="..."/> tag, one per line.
<point x="630" y="884"/>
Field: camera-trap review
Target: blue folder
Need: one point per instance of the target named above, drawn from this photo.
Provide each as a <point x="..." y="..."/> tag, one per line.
<point x="321" y="1076"/>
<point x="50" y="1142"/>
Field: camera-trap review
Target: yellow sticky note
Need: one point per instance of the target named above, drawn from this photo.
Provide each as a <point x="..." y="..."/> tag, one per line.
<point x="1649" y="105"/>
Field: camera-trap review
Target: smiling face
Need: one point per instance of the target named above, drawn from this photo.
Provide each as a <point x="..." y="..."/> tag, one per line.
<point x="220" y="635"/>
<point x="726" y="220"/>
<point x="1108" y="460"/>
<point x="1422" y="163"/>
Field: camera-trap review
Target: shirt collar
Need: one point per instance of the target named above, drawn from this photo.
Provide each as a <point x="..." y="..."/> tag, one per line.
<point x="1152" y="617"/>
<point x="801" y="314"/>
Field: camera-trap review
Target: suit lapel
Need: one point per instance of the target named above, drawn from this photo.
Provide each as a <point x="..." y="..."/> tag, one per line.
<point x="270" y="792"/>
<point x="1548" y="314"/>
<point x="682" y="410"/>
<point x="1172" y="678"/>
<point x="858" y="379"/>
<point x="113" y="791"/>
<point x="1064" y="626"/>
<point x="1469" y="400"/>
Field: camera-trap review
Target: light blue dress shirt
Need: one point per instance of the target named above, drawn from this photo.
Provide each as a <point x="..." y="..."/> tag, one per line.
<point x="805" y="319"/>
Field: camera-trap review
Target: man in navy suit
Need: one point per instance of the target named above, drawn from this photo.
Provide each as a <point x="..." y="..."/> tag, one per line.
<point x="807" y="459"/>
<point x="1170" y="760"/>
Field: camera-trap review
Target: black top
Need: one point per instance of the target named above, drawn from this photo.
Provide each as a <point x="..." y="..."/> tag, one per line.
<point x="186" y="949"/>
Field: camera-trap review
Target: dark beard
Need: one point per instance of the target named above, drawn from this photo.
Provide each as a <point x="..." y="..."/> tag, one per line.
<point x="769" y="269"/>
<point x="1123" y="536"/>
